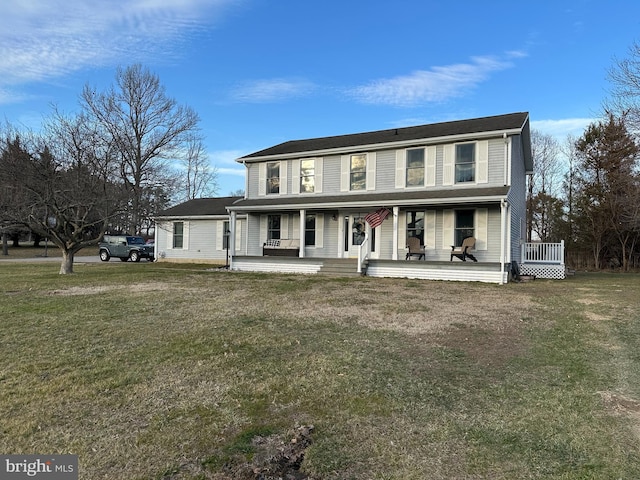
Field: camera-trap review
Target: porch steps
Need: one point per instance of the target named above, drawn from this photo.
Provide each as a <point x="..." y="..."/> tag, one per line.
<point x="339" y="267"/>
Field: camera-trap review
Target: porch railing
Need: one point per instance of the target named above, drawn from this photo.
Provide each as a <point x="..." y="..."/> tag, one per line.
<point x="539" y="252"/>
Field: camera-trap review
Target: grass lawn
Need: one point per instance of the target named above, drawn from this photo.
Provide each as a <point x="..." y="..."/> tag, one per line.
<point x="162" y="371"/>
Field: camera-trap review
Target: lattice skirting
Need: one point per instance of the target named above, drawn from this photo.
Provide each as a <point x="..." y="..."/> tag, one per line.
<point x="555" y="272"/>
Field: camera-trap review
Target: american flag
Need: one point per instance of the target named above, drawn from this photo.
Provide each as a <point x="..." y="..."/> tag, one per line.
<point x="376" y="218"/>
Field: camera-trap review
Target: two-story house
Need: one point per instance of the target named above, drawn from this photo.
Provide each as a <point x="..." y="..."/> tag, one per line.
<point x="439" y="182"/>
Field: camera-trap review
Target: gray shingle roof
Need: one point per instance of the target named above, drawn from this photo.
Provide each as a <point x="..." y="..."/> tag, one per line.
<point x="199" y="207"/>
<point x="418" y="197"/>
<point x="511" y="121"/>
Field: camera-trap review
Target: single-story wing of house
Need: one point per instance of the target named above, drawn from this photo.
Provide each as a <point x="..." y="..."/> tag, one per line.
<point x="198" y="231"/>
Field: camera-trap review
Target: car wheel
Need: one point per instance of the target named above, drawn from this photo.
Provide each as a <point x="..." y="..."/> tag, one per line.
<point x="104" y="256"/>
<point x="134" y="256"/>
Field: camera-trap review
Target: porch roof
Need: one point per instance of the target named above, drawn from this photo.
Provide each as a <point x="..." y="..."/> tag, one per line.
<point x="352" y="200"/>
<point x="199" y="207"/>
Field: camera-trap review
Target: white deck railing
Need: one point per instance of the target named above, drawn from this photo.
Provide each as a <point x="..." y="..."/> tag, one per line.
<point x="538" y="252"/>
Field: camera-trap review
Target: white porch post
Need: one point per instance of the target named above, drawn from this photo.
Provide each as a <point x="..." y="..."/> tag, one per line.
<point x="396" y="214"/>
<point x="303" y="218"/>
<point x="232" y="238"/>
<point x="503" y="237"/>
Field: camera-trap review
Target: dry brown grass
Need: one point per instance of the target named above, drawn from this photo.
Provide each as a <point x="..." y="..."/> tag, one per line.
<point x="169" y="372"/>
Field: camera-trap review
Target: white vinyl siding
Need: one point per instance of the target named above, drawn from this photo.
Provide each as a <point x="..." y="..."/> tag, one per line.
<point x="262" y="179"/>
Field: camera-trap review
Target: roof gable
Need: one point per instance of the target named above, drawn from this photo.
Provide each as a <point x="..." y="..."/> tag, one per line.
<point x="512" y="121"/>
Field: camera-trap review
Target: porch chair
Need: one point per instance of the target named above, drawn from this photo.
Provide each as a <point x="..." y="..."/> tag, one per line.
<point x="464" y="251"/>
<point x="413" y="244"/>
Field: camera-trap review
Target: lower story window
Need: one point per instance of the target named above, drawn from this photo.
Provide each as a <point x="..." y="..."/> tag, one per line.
<point x="225" y="236"/>
<point x="273" y="227"/>
<point x="310" y="230"/>
<point x="415" y="225"/>
<point x="178" y="234"/>
<point x="464" y="225"/>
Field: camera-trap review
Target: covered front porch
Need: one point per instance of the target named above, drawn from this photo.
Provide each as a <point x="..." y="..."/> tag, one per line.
<point x="491" y="272"/>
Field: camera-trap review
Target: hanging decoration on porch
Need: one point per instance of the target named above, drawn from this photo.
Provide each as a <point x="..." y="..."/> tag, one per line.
<point x="376" y="218"/>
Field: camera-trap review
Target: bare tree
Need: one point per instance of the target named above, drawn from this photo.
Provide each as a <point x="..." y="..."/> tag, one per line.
<point x="625" y="78"/>
<point x="200" y="178"/>
<point x="63" y="182"/>
<point x="148" y="130"/>
<point x="543" y="186"/>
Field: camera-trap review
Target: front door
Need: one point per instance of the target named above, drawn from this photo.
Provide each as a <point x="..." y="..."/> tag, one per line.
<point x="355" y="228"/>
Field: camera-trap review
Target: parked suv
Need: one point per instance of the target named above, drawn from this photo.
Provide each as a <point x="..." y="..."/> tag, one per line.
<point x="125" y="247"/>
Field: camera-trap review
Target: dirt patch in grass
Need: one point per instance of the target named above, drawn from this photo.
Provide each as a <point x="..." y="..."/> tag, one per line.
<point x="98" y="289"/>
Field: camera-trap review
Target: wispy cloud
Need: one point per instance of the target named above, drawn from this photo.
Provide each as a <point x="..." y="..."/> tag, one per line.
<point x="273" y="90"/>
<point x="44" y="39"/>
<point x="437" y="84"/>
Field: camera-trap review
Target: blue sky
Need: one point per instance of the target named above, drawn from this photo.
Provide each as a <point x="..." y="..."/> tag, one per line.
<point x="261" y="72"/>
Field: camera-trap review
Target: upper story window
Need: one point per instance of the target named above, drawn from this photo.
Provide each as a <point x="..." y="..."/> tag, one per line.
<point x="307" y="176"/>
<point x="465" y="162"/>
<point x="358" y="172"/>
<point x="273" y="177"/>
<point x="415" y="167"/>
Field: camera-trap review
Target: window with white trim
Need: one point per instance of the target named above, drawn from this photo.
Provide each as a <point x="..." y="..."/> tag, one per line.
<point x="273" y="177"/>
<point x="310" y="230"/>
<point x="465" y="162"/>
<point x="273" y="227"/>
<point x="415" y="167"/>
<point x="415" y="225"/>
<point x="464" y="225"/>
<point x="225" y="234"/>
<point x="358" y="172"/>
<point x="307" y="175"/>
<point x="178" y="235"/>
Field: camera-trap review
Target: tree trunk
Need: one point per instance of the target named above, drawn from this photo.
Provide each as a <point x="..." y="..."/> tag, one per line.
<point x="5" y="243"/>
<point x="66" y="267"/>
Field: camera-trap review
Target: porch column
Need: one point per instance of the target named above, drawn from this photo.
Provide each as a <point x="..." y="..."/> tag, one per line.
<point x="303" y="224"/>
<point x="503" y="237"/>
<point x="232" y="238"/>
<point x="396" y="215"/>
